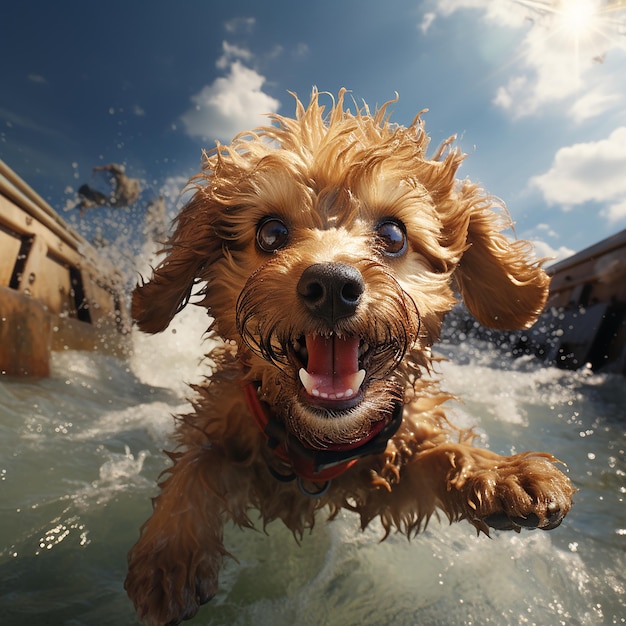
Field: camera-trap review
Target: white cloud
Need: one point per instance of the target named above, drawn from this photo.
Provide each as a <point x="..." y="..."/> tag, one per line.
<point x="538" y="234"/>
<point x="555" y="68"/>
<point x="232" y="103"/>
<point x="12" y="119"/>
<point x="505" y="13"/>
<point x="593" y="104"/>
<point x="506" y="97"/>
<point x="302" y="49"/>
<point x="544" y="79"/>
<point x="544" y="250"/>
<point x="427" y="20"/>
<point x="232" y="52"/>
<point x="239" y="24"/>
<point x="616" y="212"/>
<point x="37" y="78"/>
<point x="559" y="56"/>
<point x="546" y="229"/>
<point x="588" y="172"/>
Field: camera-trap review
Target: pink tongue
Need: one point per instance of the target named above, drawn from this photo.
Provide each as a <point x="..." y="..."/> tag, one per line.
<point x="332" y="371"/>
<point x="333" y="356"/>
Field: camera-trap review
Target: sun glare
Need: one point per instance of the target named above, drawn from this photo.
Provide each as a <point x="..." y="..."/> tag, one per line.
<point x="587" y="23"/>
<point x="577" y="16"/>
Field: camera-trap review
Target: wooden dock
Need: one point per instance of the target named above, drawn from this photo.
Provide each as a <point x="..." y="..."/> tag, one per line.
<point x="586" y="310"/>
<point x="56" y="293"/>
<point x="584" y="321"/>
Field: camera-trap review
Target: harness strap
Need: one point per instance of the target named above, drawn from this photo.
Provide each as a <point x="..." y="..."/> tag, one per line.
<point x="309" y="463"/>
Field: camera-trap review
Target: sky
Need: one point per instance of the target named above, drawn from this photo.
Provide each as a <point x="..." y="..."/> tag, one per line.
<point x="534" y="90"/>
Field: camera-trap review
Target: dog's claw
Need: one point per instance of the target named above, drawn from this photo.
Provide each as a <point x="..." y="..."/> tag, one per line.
<point x="555" y="518"/>
<point x="203" y="591"/>
<point x="530" y="521"/>
<point x="501" y="521"/>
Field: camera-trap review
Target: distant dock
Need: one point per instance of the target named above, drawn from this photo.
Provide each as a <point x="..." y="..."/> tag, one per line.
<point x="584" y="321"/>
<point x="56" y="293"/>
<point x="586" y="310"/>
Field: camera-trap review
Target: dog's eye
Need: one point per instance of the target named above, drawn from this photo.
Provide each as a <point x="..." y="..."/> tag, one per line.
<point x="391" y="237"/>
<point x="272" y="234"/>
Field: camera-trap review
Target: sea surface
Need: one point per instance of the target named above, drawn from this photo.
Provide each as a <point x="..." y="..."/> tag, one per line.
<point x="80" y="454"/>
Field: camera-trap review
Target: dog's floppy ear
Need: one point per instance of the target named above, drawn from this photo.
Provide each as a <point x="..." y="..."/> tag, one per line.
<point x="188" y="251"/>
<point x="502" y="285"/>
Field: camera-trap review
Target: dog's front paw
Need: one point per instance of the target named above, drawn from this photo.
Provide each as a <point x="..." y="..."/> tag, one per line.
<point x="166" y="592"/>
<point x="526" y="491"/>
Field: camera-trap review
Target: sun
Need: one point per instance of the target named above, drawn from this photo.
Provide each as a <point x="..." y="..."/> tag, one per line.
<point x="577" y="17"/>
<point x="581" y="20"/>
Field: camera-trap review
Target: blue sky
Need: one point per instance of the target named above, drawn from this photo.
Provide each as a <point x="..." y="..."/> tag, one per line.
<point x="535" y="90"/>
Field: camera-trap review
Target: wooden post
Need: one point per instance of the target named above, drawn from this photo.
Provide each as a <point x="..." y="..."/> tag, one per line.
<point x="25" y="335"/>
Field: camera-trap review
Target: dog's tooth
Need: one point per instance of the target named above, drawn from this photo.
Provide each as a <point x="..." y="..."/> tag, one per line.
<point x="308" y="382"/>
<point x="358" y="379"/>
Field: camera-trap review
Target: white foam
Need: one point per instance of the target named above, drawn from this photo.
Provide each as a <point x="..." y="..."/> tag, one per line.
<point x="175" y="357"/>
<point x="155" y="418"/>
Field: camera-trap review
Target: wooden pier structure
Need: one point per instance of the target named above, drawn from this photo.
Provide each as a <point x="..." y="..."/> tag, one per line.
<point x="56" y="293"/>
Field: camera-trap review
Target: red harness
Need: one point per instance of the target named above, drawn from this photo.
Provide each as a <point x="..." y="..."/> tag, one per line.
<point x="309" y="463"/>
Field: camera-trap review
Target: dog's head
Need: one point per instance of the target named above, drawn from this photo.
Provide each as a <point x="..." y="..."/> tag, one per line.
<point x="328" y="248"/>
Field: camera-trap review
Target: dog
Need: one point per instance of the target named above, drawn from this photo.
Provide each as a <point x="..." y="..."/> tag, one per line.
<point x="327" y="249"/>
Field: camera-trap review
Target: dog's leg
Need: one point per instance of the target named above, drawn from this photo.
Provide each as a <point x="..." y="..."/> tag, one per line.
<point x="174" y="566"/>
<point x="489" y="490"/>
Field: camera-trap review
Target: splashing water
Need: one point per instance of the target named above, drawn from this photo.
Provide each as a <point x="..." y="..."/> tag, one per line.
<point x="80" y="454"/>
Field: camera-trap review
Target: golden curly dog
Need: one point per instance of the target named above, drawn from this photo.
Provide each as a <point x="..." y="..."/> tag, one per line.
<point x="327" y="249"/>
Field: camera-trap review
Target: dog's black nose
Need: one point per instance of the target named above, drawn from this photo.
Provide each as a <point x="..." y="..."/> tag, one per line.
<point x="331" y="291"/>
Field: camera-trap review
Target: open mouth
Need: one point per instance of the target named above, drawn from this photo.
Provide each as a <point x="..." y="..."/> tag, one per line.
<point x="331" y="372"/>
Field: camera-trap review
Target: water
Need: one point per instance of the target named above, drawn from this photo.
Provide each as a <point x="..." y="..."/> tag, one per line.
<point x="80" y="455"/>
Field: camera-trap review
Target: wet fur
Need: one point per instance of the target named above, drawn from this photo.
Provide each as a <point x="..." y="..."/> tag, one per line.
<point x="331" y="178"/>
